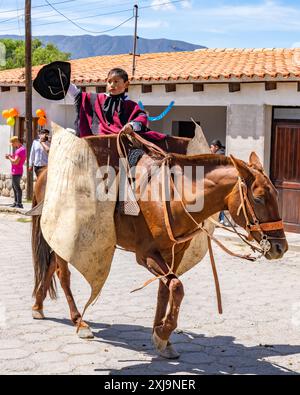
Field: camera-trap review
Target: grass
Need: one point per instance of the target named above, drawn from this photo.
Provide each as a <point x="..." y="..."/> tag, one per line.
<point x="24" y="220"/>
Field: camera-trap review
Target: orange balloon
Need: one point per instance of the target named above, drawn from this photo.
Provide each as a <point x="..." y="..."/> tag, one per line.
<point x="42" y="121"/>
<point x="13" y="112"/>
<point x="40" y="113"/>
<point x="5" y="114"/>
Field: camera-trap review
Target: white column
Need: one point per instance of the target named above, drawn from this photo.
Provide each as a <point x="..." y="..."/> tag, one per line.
<point x="249" y="129"/>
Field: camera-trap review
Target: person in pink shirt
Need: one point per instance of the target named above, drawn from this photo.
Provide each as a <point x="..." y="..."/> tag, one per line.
<point x="17" y="162"/>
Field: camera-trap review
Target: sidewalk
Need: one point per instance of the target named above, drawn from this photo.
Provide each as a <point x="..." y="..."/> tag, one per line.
<point x="223" y="235"/>
<point x="5" y="202"/>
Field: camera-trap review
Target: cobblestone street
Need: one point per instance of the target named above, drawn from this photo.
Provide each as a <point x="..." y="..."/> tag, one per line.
<point x="258" y="333"/>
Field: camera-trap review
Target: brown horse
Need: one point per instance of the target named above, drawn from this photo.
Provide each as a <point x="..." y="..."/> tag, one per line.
<point x="229" y="184"/>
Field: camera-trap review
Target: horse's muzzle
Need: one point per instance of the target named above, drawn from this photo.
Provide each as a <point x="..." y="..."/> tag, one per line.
<point x="278" y="249"/>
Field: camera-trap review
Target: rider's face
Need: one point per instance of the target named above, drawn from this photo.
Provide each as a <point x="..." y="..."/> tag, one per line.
<point x="213" y="149"/>
<point x="116" y="85"/>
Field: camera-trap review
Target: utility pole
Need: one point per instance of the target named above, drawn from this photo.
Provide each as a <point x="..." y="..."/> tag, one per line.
<point x="135" y="38"/>
<point x="28" y="83"/>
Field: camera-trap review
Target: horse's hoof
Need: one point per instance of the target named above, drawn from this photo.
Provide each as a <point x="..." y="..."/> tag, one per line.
<point x="169" y="352"/>
<point x="164" y="347"/>
<point x="159" y="343"/>
<point x="38" y="315"/>
<point x="85" y="333"/>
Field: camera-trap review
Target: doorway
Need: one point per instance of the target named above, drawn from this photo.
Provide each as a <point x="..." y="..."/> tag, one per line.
<point x="285" y="170"/>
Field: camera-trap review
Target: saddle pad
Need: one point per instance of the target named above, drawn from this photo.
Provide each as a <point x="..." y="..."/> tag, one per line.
<point x="77" y="220"/>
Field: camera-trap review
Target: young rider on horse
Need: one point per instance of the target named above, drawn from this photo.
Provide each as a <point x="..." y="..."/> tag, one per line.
<point x="97" y="113"/>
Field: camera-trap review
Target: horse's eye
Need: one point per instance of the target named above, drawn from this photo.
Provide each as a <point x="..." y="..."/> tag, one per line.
<point x="259" y="199"/>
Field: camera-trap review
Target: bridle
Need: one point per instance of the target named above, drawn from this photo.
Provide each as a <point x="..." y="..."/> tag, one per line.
<point x="253" y="224"/>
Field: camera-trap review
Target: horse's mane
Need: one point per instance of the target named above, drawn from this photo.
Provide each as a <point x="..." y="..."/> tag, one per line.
<point x="202" y="160"/>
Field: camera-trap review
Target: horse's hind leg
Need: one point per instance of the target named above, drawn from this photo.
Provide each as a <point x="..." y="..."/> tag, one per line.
<point x="162" y="332"/>
<point x="41" y="293"/>
<point x="64" y="275"/>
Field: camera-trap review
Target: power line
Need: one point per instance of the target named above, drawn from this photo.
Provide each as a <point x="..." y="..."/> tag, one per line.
<point x="17" y="3"/>
<point x="95" y="5"/>
<point x="90" y="16"/>
<point x="95" y="9"/>
<point x="11" y="19"/>
<point x="157" y="5"/>
<point x="96" y="15"/>
<point x="86" y="17"/>
<point x="86" y="30"/>
<point x="39" y="6"/>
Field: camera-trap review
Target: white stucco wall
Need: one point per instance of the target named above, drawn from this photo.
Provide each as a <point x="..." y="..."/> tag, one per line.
<point x="246" y="131"/>
<point x="249" y="111"/>
<point x="5" y="134"/>
<point x="286" y="94"/>
<point x="55" y="111"/>
<point x="212" y="119"/>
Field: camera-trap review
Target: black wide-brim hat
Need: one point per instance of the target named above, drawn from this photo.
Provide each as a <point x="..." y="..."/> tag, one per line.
<point x="53" y="80"/>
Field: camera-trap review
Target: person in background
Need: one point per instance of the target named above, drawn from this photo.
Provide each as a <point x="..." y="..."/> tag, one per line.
<point x="17" y="162"/>
<point x="216" y="147"/>
<point x="39" y="152"/>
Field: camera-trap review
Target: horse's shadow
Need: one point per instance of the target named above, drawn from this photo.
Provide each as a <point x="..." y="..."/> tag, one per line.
<point x="199" y="354"/>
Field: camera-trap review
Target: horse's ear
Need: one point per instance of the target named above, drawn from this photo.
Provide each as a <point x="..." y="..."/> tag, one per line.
<point x="243" y="169"/>
<point x="255" y="162"/>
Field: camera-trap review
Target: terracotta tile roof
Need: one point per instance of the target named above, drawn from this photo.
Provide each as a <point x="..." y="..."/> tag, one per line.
<point x="207" y="65"/>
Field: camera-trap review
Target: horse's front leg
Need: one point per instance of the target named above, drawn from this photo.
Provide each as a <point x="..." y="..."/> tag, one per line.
<point x="64" y="275"/>
<point x="163" y="330"/>
<point x="162" y="303"/>
<point x="170" y="290"/>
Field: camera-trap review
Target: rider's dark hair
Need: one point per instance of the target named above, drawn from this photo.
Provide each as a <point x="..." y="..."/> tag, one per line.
<point x="120" y="73"/>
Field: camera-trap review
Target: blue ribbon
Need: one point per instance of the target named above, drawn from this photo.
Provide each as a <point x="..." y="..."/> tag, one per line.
<point x="162" y="115"/>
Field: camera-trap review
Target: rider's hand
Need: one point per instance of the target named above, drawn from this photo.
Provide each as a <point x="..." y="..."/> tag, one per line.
<point x="127" y="129"/>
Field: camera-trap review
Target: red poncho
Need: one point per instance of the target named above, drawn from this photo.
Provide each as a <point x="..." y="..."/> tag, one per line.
<point x="91" y="119"/>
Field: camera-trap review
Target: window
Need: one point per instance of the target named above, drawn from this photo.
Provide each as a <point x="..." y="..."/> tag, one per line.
<point x="184" y="128"/>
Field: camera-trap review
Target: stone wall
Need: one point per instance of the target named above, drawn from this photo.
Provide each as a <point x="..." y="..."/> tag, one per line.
<point x="6" y="185"/>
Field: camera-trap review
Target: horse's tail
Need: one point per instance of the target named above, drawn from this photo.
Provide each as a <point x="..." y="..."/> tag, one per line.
<point x="41" y="253"/>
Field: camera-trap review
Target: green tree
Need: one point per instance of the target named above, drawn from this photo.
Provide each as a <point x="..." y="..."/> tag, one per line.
<point x="15" y="53"/>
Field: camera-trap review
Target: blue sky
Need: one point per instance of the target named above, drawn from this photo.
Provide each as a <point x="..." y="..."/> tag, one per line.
<point x="214" y="23"/>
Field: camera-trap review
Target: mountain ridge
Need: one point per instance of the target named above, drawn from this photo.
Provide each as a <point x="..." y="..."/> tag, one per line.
<point x="86" y="46"/>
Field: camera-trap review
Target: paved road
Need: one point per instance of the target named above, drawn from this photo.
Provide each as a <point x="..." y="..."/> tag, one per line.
<point x="259" y="332"/>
